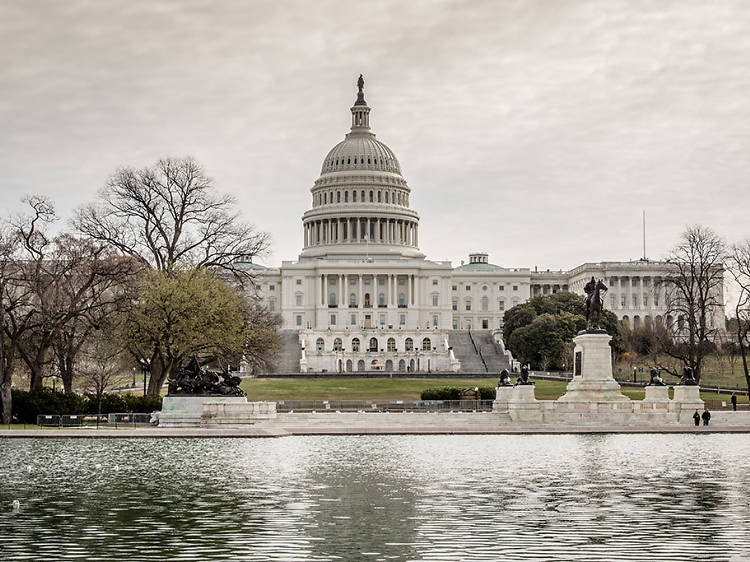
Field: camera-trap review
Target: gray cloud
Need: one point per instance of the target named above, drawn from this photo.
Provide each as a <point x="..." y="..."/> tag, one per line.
<point x="512" y="120"/>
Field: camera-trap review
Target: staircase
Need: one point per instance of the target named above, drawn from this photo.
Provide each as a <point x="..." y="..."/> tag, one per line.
<point x="290" y="352"/>
<point x="477" y="351"/>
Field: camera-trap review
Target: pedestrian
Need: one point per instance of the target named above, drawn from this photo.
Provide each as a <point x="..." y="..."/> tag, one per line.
<point x="697" y="418"/>
<point x="734" y="401"/>
<point x="706" y="416"/>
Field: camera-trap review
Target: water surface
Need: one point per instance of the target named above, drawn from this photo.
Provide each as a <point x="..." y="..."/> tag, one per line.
<point x="501" y="497"/>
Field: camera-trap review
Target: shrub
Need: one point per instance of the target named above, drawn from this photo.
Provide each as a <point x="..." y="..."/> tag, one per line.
<point x="27" y="405"/>
<point x="454" y="393"/>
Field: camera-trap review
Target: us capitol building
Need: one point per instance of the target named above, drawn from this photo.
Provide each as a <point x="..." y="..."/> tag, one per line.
<point x="362" y="297"/>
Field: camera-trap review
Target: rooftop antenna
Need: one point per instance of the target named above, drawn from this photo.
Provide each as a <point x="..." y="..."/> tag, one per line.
<point x="644" y="236"/>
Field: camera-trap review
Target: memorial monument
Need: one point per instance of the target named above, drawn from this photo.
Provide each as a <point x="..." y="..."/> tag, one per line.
<point x="199" y="397"/>
<point x="593" y="380"/>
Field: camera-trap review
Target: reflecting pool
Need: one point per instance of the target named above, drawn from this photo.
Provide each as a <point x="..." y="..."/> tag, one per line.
<point x="563" y="497"/>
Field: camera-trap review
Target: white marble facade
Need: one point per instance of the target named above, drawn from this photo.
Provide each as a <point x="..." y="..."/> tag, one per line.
<point x="361" y="275"/>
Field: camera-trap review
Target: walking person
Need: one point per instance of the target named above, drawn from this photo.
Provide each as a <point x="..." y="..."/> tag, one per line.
<point x="697" y="418"/>
<point x="734" y="401"/>
<point x="706" y="416"/>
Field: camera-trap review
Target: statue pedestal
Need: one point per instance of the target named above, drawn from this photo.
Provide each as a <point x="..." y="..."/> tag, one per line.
<point x="687" y="399"/>
<point x="596" y="383"/>
<point x="657" y="394"/>
<point x="186" y="411"/>
<point x="503" y="395"/>
<point x="523" y="405"/>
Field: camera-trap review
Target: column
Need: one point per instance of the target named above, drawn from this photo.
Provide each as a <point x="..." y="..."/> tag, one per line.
<point x="416" y="234"/>
<point x="345" y="301"/>
<point x="367" y="232"/>
<point x="360" y="303"/>
<point x="388" y="300"/>
<point x="408" y="291"/>
<point x="342" y="296"/>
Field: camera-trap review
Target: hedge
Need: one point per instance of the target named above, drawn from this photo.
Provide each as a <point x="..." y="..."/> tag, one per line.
<point x="454" y="393"/>
<point x="27" y="405"/>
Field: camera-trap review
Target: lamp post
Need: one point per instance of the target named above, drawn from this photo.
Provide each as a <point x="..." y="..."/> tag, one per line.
<point x="144" y="370"/>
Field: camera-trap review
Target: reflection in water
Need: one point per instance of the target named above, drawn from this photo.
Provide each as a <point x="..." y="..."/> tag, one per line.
<point x="587" y="497"/>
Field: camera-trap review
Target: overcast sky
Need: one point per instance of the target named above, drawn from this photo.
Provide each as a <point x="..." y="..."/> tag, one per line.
<point x="536" y="131"/>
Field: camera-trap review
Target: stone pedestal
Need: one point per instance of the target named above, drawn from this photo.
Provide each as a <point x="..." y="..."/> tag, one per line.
<point x="658" y="394"/>
<point x="596" y="383"/>
<point x="503" y="395"/>
<point x="686" y="400"/>
<point x="523" y="405"/>
<point x="186" y="411"/>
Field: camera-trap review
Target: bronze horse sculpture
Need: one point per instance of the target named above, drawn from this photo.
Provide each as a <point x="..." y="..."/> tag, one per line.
<point x="594" y="303"/>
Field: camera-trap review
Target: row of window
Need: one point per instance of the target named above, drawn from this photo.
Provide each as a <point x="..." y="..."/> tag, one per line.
<point x="484" y="287"/>
<point x="373" y="345"/>
<point x="634" y="300"/>
<point x="361" y="161"/>
<point x="353" y="321"/>
<point x="466" y="324"/>
<point x="396" y="197"/>
<point x="484" y="303"/>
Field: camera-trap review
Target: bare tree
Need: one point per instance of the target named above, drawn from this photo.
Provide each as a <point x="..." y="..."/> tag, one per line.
<point x="168" y="215"/>
<point x="102" y="365"/>
<point x="740" y="269"/>
<point x="693" y="296"/>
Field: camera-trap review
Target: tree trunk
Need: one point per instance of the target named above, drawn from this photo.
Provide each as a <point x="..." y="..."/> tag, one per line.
<point x="159" y="374"/>
<point x="36" y="378"/>
<point x="6" y="404"/>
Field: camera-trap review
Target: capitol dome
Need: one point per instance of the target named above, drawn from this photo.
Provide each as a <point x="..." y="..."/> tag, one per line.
<point x="360" y="202"/>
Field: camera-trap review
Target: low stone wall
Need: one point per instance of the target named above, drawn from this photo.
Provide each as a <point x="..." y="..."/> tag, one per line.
<point x="391" y="422"/>
<point x="221" y="414"/>
<point x="196" y="411"/>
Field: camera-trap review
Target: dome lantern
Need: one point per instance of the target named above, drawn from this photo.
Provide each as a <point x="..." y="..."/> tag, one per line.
<point x="360" y="110"/>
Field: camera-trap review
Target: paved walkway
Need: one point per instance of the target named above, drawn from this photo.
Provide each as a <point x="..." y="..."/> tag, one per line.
<point x="256" y="432"/>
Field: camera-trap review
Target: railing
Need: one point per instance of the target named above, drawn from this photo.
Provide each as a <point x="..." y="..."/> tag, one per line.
<point x="374" y="406"/>
<point x="117" y="420"/>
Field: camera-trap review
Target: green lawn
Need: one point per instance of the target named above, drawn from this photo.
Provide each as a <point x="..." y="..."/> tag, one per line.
<point x="342" y="388"/>
<point x="717" y="370"/>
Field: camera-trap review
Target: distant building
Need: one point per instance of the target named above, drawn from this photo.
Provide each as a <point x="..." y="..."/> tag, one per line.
<point x="362" y="297"/>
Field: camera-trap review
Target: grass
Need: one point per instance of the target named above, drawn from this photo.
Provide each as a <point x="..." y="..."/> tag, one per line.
<point x="342" y="388"/>
<point x="718" y="370"/>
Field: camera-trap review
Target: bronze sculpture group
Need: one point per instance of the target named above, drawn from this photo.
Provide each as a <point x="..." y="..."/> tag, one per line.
<point x="192" y="380"/>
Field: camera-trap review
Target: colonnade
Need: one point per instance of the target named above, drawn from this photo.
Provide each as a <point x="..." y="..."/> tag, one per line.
<point x="353" y="230"/>
<point x="336" y="290"/>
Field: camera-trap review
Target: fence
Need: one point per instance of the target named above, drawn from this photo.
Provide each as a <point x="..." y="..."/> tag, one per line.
<point x="120" y="420"/>
<point x="425" y="406"/>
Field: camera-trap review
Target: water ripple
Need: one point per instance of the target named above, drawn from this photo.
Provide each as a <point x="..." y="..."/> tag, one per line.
<point x="589" y="497"/>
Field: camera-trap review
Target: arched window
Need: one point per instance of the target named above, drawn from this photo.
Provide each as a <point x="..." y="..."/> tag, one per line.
<point x="391" y="345"/>
<point x="386" y="197"/>
<point x="338" y="197"/>
<point x="409" y="344"/>
<point x="325" y="198"/>
<point x="332" y="299"/>
<point x="337" y="344"/>
<point x="354" y="196"/>
<point x="371" y="196"/>
<point x="373" y="344"/>
<point x="352" y="300"/>
<point x="381" y="300"/>
<point x="426" y="344"/>
<point x="485" y="303"/>
<point x="401" y="300"/>
<point x="380" y="196"/>
<point x="319" y="344"/>
<point x="367" y="300"/>
<point x="346" y="196"/>
<point x="363" y="196"/>
<point x="355" y="344"/>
